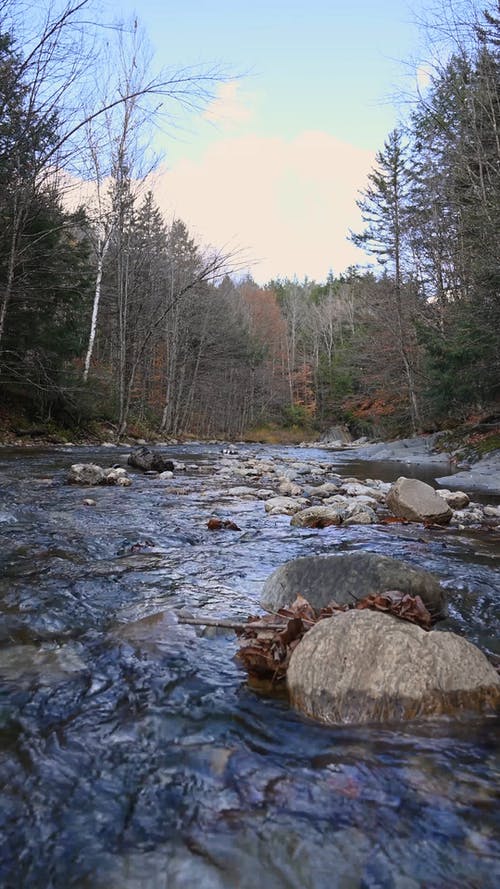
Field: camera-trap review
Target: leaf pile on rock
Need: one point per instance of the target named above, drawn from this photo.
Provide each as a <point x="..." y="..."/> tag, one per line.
<point x="267" y="643"/>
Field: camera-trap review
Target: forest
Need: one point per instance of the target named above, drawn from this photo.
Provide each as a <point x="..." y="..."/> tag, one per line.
<point x="112" y="314"/>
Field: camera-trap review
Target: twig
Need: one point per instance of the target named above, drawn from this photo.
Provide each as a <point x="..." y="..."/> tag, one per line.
<point x="229" y="624"/>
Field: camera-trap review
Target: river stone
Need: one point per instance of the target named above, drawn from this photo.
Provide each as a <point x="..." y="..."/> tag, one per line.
<point x="414" y="500"/>
<point x="86" y="474"/>
<point x="363" y="666"/>
<point x="455" y="499"/>
<point x="284" y="505"/>
<point x="317" y="517"/>
<point x="148" y="460"/>
<point x="321" y="579"/>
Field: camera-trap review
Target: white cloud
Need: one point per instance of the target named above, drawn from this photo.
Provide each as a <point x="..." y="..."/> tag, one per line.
<point x="289" y="204"/>
<point x="424" y="73"/>
<point x="229" y="106"/>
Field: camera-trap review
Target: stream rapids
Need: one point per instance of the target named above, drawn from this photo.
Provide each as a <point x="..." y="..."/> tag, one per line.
<point x="133" y="754"/>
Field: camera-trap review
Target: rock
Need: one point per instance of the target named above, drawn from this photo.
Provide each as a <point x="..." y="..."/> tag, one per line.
<point x="363" y="666"/>
<point x="123" y="481"/>
<point x="242" y="492"/>
<point x="328" y="489"/>
<point x="359" y="490"/>
<point x="359" y="514"/>
<point x="417" y="502"/>
<point x="88" y="474"/>
<point x="115" y="476"/>
<point x="89" y="502"/>
<point x="337" y="435"/>
<point x="454" y="499"/>
<point x="149" y="461"/>
<point x="467" y="517"/>
<point x="321" y="579"/>
<point x="492" y="512"/>
<point x="482" y="476"/>
<point x="166" y="474"/>
<point x="317" y="517"/>
<point x="290" y="489"/>
<point x="407" y="450"/>
<point x="284" y="505"/>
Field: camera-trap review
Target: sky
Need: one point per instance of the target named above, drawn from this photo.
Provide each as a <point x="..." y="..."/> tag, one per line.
<point x="272" y="165"/>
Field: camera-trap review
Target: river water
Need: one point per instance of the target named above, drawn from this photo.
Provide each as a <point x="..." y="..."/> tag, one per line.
<point x="132" y="752"/>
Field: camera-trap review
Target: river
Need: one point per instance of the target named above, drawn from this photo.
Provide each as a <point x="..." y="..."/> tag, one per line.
<point x="133" y="754"/>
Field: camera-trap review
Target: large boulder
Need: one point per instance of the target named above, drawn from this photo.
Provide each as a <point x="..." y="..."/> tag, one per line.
<point x="336" y="435"/>
<point x="363" y="666"/>
<point x="321" y="579"/>
<point x="87" y="474"/>
<point x="149" y="461"/>
<point x="417" y="502"/>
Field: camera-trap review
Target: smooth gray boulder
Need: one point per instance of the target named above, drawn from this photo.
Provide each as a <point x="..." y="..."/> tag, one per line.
<point x="364" y="666"/>
<point x="417" y="502"/>
<point x="321" y="579"/>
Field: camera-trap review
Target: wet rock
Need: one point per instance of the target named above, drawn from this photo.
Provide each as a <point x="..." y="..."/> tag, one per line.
<point x="284" y="505"/>
<point x="321" y="579"/>
<point x="466" y="517"/>
<point x="147" y="460"/>
<point x="290" y="489"/>
<point x="492" y="512"/>
<point x="123" y="481"/>
<point x="87" y="474"/>
<point x="328" y="489"/>
<point x="318" y="517"/>
<point x="89" y="502"/>
<point x="361" y="666"/>
<point x="242" y="492"/>
<point x="360" y="490"/>
<point x="359" y="514"/>
<point x="417" y="502"/>
<point x="167" y="474"/>
<point x="115" y="476"/>
<point x="264" y="493"/>
<point x="454" y="499"/>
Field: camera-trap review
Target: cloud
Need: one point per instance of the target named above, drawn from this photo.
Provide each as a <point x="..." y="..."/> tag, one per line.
<point x="229" y="106"/>
<point x="288" y="203"/>
<point x="424" y="74"/>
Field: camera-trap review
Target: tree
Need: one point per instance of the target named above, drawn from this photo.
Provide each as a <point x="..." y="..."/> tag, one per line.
<point x="384" y="209"/>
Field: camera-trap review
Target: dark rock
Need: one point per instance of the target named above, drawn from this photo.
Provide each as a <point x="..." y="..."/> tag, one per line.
<point x="149" y="461"/>
<point x="322" y="579"/>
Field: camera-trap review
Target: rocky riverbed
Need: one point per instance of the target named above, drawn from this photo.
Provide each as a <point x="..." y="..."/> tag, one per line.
<point x="132" y="750"/>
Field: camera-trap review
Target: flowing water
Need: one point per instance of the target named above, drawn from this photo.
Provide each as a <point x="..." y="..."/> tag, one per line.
<point x="132" y="752"/>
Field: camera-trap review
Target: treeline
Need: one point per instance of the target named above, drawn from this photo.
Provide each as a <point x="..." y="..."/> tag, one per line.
<point x="110" y="312"/>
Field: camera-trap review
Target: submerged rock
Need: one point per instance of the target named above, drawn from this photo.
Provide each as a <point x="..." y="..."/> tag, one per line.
<point x="323" y="579"/>
<point x="417" y="502"/>
<point x="362" y="666"/>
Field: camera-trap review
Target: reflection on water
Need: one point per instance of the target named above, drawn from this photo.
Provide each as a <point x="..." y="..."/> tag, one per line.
<point x="132" y="753"/>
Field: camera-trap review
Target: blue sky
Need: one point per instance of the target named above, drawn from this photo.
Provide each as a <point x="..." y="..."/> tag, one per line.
<point x="274" y="164"/>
